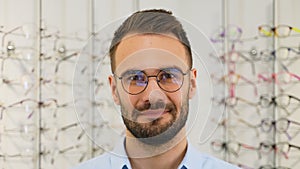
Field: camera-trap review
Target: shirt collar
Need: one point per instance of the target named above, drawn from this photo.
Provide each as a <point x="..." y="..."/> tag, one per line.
<point x="119" y="158"/>
<point x="190" y="159"/>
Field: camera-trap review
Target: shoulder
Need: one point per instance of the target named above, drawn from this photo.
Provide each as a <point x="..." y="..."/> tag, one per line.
<point x="100" y="162"/>
<point x="207" y="161"/>
<point x="212" y="162"/>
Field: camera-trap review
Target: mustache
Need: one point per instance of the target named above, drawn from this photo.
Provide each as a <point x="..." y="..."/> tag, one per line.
<point x="153" y="106"/>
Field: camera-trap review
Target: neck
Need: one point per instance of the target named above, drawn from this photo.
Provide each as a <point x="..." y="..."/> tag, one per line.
<point x="165" y="156"/>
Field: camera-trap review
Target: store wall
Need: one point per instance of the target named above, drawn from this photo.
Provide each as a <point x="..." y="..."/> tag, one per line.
<point x="54" y="98"/>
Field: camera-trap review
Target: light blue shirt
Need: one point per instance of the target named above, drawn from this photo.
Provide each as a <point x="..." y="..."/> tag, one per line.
<point x="193" y="159"/>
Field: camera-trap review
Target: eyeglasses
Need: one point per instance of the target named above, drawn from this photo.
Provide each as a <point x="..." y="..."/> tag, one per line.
<point x="136" y="81"/>
<point x="283" y="77"/>
<point x="11" y="51"/>
<point x="30" y="105"/>
<point x="232" y="79"/>
<point x="25" y="130"/>
<point x="65" y="128"/>
<point x="232" y="33"/>
<point x="232" y="102"/>
<point x="243" y="166"/>
<point x="282" y="101"/>
<point x="16" y="156"/>
<point x="280" y="31"/>
<point x="65" y="58"/>
<point x="271" y="167"/>
<point x="281" y="125"/>
<point x="233" y="56"/>
<point x="281" y="54"/>
<point x="26" y="30"/>
<point x="56" y="152"/>
<point x="280" y="147"/>
<point x="285" y="53"/>
<point x="230" y="146"/>
<point x="23" y="54"/>
<point x="264" y="147"/>
<point x="270" y="55"/>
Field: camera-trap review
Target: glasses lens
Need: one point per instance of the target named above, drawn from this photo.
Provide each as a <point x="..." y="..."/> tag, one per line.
<point x="134" y="82"/>
<point x="218" y="35"/>
<point x="233" y="56"/>
<point x="283" y="31"/>
<point x="234" y="33"/>
<point x="265" y="101"/>
<point x="282" y="125"/>
<point x="170" y="79"/>
<point x="283" y="147"/>
<point x="231" y="101"/>
<point x="266" y="125"/>
<point x="283" y="100"/>
<point x="265" y="147"/>
<point x="283" y="78"/>
<point x="233" y="147"/>
<point x="266" y="55"/>
<point x="217" y="145"/>
<point x="266" y="167"/>
<point x="283" y="53"/>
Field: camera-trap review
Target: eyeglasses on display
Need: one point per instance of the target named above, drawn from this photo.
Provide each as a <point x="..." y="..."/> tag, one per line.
<point x="280" y="31"/>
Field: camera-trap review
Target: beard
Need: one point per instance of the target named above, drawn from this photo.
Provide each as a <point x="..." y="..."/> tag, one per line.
<point x="155" y="132"/>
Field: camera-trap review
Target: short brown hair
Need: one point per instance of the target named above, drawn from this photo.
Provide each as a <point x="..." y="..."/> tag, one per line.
<point x="152" y="21"/>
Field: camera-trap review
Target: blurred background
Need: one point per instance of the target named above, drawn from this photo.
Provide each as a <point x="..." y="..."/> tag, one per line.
<point x="41" y="40"/>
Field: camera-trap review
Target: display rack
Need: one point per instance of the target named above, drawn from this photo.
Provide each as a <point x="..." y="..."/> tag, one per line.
<point x="39" y="126"/>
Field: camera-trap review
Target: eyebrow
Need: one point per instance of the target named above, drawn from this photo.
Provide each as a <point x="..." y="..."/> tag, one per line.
<point x="131" y="71"/>
<point x="134" y="70"/>
<point x="159" y="68"/>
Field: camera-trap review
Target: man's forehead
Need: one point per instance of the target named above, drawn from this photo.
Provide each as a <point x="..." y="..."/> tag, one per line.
<point x="148" y="51"/>
<point x="151" y="58"/>
<point x="150" y="70"/>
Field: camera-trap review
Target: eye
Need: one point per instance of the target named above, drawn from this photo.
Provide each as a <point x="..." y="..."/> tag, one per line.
<point x="166" y="76"/>
<point x="170" y="74"/>
<point x="136" y="77"/>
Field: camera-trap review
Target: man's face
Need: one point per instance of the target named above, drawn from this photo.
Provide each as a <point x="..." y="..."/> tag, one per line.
<point x="153" y="115"/>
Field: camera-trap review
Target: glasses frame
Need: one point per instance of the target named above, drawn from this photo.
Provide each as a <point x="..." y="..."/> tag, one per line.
<point x="274" y="30"/>
<point x="156" y="79"/>
<point x="272" y="124"/>
<point x="222" y="33"/>
<point x="274" y="76"/>
<point x="224" y="146"/>
<point x="275" y="148"/>
<point x="272" y="101"/>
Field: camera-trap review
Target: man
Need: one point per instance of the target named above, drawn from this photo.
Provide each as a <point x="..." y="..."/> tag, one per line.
<point x="152" y="81"/>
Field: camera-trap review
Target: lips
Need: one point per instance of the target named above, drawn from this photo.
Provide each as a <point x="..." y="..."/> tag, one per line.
<point x="153" y="114"/>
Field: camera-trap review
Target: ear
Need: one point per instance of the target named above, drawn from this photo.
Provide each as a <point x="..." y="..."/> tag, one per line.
<point x="193" y="83"/>
<point x="113" y="87"/>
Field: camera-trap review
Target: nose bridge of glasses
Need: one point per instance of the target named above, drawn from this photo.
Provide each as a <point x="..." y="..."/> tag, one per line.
<point x="152" y="84"/>
<point x="154" y="76"/>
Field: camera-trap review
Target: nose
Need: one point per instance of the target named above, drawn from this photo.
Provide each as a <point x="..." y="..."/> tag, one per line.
<point x="152" y="85"/>
<point x="153" y="92"/>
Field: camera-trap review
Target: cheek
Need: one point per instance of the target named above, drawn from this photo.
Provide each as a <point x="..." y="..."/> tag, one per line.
<point x="128" y="101"/>
<point x="180" y="97"/>
<point x="176" y="98"/>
